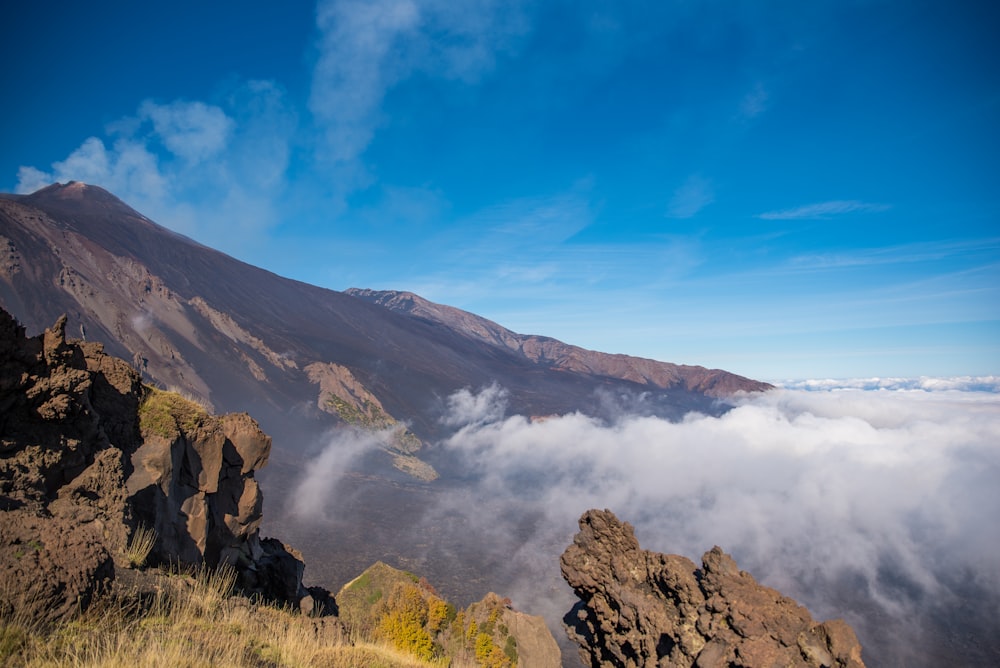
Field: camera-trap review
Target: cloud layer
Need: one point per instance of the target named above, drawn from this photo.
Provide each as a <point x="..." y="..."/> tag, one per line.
<point x="878" y="507"/>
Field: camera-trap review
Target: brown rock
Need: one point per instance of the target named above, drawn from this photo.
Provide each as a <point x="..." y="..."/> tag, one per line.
<point x="197" y="488"/>
<point x="535" y="644"/>
<point x="77" y="476"/>
<point x="50" y="567"/>
<point x="641" y="608"/>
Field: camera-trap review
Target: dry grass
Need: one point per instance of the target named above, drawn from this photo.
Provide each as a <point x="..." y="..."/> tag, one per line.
<point x="168" y="413"/>
<point x="194" y="623"/>
<point x="140" y="545"/>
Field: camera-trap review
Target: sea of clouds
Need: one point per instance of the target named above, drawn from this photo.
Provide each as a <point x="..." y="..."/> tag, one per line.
<point x="874" y="500"/>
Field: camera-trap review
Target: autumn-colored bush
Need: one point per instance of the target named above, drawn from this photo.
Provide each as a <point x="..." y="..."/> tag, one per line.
<point x="404" y="621"/>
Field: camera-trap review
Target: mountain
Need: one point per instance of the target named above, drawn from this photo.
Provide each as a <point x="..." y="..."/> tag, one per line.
<point x="543" y="350"/>
<point x="303" y="360"/>
<point x="241" y="338"/>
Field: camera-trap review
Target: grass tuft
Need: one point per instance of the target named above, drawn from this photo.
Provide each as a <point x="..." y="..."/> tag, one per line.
<point x="168" y="414"/>
<point x="140" y="546"/>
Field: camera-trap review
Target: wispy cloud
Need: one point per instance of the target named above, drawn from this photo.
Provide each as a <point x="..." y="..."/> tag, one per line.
<point x="128" y="168"/>
<point x="921" y="252"/>
<point x="824" y="210"/>
<point x="366" y="48"/>
<point x="193" y="131"/>
<point x="199" y="168"/>
<point x="310" y="499"/>
<point x="755" y="102"/>
<point x="691" y="197"/>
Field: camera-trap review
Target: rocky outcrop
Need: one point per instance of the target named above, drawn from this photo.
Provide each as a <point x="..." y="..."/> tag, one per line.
<point x="406" y="611"/>
<point x="197" y="469"/>
<point x="88" y="455"/>
<point x="642" y="608"/>
<point x="62" y="468"/>
<point x="193" y="482"/>
<point x="522" y="637"/>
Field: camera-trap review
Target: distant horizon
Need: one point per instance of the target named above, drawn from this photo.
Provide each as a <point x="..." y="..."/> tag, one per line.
<point x="793" y="192"/>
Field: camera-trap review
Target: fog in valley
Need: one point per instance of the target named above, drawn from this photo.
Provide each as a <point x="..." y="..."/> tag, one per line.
<point x="873" y="501"/>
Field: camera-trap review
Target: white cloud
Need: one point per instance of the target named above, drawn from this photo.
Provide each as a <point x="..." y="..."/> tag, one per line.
<point x="193" y="131"/>
<point x="129" y="169"/>
<point x="468" y="409"/>
<point x="923" y="383"/>
<point x="196" y="168"/>
<point x="366" y="48"/>
<point x="90" y="161"/>
<point x="30" y="179"/>
<point x="694" y="195"/>
<point x="311" y="497"/>
<point x="873" y="506"/>
<point x="823" y="210"/>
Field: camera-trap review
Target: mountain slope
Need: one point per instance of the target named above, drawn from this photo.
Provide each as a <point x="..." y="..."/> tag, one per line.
<point x="544" y="350"/>
<point x="242" y="338"/>
<point x="302" y="360"/>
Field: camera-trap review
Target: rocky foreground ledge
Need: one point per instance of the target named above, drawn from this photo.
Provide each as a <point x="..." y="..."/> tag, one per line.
<point x="93" y="462"/>
<point x="642" y="608"/>
<point x="88" y="456"/>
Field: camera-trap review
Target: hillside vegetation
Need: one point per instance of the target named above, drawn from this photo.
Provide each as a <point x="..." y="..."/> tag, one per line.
<point x="170" y="619"/>
<point x="404" y="610"/>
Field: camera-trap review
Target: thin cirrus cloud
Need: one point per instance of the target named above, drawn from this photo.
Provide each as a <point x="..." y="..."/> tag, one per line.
<point x="691" y="197"/>
<point x="823" y="210"/>
<point x="755" y="102"/>
<point x="366" y="48"/>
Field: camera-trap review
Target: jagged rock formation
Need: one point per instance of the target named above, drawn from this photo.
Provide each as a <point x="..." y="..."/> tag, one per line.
<point x="62" y="468"/>
<point x="87" y="454"/>
<point x="642" y="608"/>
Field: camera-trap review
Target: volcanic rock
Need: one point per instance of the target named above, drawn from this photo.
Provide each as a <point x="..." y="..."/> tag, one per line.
<point x="642" y="608"/>
<point x="88" y="454"/>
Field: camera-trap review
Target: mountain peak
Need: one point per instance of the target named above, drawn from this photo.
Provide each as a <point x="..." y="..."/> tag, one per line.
<point x="74" y="191"/>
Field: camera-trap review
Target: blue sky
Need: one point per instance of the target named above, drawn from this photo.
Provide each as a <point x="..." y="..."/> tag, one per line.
<point x="781" y="189"/>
